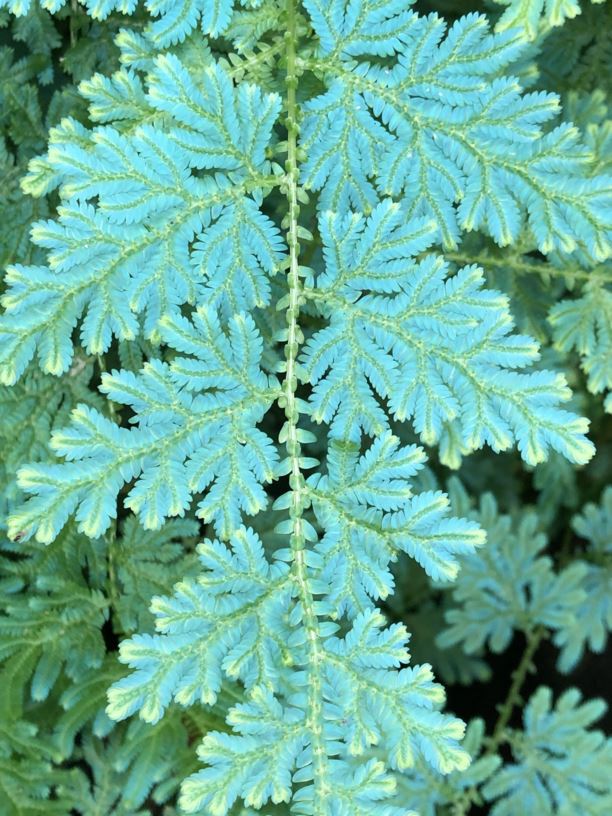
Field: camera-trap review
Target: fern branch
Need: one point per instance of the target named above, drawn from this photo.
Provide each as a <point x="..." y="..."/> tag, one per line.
<point x="291" y="431"/>
<point x="524" y="265"/>
<point x="534" y="638"/>
<point x="513" y="698"/>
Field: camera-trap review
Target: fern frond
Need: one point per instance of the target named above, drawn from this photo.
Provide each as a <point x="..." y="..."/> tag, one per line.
<point x="437" y="349"/>
<point x="430" y="792"/>
<point x="29" y="412"/>
<point x="175" y="19"/>
<point x="368" y="512"/>
<point x="585" y="324"/>
<point x="132" y="253"/>
<point x="148" y="562"/>
<point x="535" y="16"/>
<point x="224" y="621"/>
<point x="42" y="633"/>
<point x="238" y="619"/>
<point x="560" y="765"/>
<point x="83" y="705"/>
<point x="371" y="134"/>
<point x="592" y="619"/>
<point x="99" y="9"/>
<point x="195" y="431"/>
<point x="453" y="130"/>
<point x="29" y="783"/>
<point x="259" y="761"/>
<point x="132" y="766"/>
<point x="510" y="585"/>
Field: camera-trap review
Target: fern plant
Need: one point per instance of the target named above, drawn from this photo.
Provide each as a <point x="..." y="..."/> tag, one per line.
<point x="289" y="263"/>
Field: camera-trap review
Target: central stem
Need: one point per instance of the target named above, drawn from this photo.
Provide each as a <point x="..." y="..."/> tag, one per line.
<point x="291" y="431"/>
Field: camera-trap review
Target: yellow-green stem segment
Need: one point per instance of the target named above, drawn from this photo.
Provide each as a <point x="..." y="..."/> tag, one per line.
<point x="320" y="766"/>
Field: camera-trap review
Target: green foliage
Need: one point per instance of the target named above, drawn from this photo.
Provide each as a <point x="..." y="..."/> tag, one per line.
<point x="559" y="764"/>
<point x="430" y="792"/>
<point x="585" y="324"/>
<point x="535" y="15"/>
<point x="592" y="619"/>
<point x="254" y="256"/>
<point x="195" y="425"/>
<point x="510" y="585"/>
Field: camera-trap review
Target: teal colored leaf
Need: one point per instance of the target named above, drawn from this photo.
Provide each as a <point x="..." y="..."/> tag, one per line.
<point x="510" y="585"/>
<point x="99" y="9"/>
<point x="444" y="130"/>
<point x="369" y="514"/>
<point x="194" y="431"/>
<point x="585" y="324"/>
<point x="161" y="233"/>
<point x="274" y="746"/>
<point x="220" y="623"/>
<point x="429" y="791"/>
<point x="434" y="348"/>
<point x="536" y="16"/>
<point x="561" y="766"/>
<point x="397" y="709"/>
<point x="592" y="619"/>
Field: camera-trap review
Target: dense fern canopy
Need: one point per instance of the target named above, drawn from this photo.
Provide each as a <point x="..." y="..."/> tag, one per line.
<point x="305" y="374"/>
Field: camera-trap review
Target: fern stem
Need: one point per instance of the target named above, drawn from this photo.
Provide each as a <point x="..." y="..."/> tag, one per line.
<point x="112" y="586"/>
<point x="534" y="638"/>
<point x="523" y="265"/>
<point x="74" y="10"/>
<point x="291" y="433"/>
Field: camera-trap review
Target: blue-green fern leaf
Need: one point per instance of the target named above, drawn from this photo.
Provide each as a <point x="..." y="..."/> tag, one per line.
<point x="429" y="791"/>
<point x="221" y="623"/>
<point x="195" y="430"/>
<point x="199" y="173"/>
<point x="560" y="765"/>
<point x="459" y="141"/>
<point x="369" y="514"/>
<point x="162" y="260"/>
<point x="510" y="585"/>
<point x="175" y="19"/>
<point x="437" y="349"/>
<point x="99" y="9"/>
<point x="592" y="619"/>
<point x="178" y="18"/>
<point x="585" y="324"/>
<point x="274" y="746"/>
